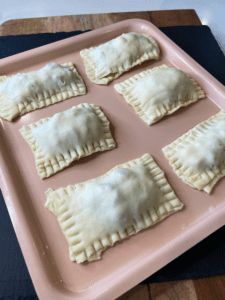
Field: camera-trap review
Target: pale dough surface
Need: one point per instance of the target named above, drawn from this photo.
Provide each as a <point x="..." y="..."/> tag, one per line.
<point x="160" y="91"/>
<point x="68" y="136"/>
<point x="198" y="157"/>
<point x="25" y="92"/>
<point x="95" y="214"/>
<point x="108" y="61"/>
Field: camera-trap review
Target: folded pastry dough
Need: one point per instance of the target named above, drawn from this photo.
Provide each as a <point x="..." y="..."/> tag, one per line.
<point x="68" y="136"/>
<point x="25" y="92"/>
<point x="198" y="156"/>
<point x="99" y="212"/>
<point x="108" y="61"/>
<point x="160" y="91"/>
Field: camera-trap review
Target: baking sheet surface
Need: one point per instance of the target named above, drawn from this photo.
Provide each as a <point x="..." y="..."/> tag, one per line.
<point x="43" y="244"/>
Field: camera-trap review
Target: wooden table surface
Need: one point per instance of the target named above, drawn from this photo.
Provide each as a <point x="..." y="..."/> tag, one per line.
<point x="210" y="288"/>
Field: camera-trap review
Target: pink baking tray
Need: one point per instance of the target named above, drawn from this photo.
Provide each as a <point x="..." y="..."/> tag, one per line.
<point x="127" y="263"/>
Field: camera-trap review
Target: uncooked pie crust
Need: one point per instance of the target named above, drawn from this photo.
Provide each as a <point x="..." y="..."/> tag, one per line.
<point x="95" y="214"/>
<point x="158" y="92"/>
<point x="24" y="92"/>
<point x="67" y="136"/>
<point x="108" y="61"/>
<point x="198" y="156"/>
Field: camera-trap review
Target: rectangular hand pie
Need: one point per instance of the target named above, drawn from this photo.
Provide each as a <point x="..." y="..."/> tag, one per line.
<point x="67" y="136"/>
<point x="198" y="156"/>
<point x="95" y="214"/>
<point x="108" y="61"/>
<point x="160" y="91"/>
<point x="25" y="92"/>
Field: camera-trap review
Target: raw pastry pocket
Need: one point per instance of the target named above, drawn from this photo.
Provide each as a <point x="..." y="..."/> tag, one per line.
<point x="68" y="136"/>
<point x="198" y="156"/>
<point x="160" y="91"/>
<point x="95" y="214"/>
<point x="25" y="92"/>
<point x="108" y="61"/>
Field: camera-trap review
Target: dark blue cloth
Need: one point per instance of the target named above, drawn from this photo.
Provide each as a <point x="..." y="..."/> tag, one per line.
<point x="207" y="258"/>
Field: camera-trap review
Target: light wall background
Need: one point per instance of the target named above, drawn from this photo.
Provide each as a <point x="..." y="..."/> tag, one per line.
<point x="210" y="13"/>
